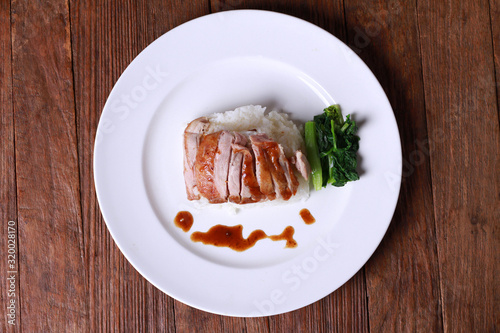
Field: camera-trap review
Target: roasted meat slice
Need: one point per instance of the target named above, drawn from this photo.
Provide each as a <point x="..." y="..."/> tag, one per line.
<point x="263" y="169"/>
<point x="221" y="162"/>
<point x="250" y="189"/>
<point x="273" y="155"/>
<point x="204" y="168"/>
<point x="192" y="135"/>
<point x="283" y="179"/>
<point x="302" y="164"/>
<point x="234" y="176"/>
<point x="293" y="183"/>
<point x="235" y="165"/>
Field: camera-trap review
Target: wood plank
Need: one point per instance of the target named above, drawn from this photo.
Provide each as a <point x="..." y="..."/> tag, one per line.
<point x="402" y="277"/>
<point x="461" y="104"/>
<point x="495" y="31"/>
<point x="345" y="310"/>
<point x="106" y="37"/>
<point x="259" y="325"/>
<point x="326" y="14"/>
<point x="188" y="319"/>
<point x="95" y="72"/>
<point x="9" y="289"/>
<point x="52" y="275"/>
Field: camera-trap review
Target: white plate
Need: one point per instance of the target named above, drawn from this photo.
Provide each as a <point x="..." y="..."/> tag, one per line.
<point x="216" y="63"/>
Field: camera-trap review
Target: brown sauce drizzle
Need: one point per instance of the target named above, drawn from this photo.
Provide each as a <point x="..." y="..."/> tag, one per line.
<point x="287" y="235"/>
<point x="232" y="237"/>
<point x="184" y="220"/>
<point x="307" y="216"/>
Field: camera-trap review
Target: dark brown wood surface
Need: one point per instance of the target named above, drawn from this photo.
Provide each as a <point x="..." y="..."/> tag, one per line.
<point x="437" y="267"/>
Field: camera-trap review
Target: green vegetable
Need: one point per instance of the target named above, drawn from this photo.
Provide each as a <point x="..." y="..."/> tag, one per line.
<point x="337" y="144"/>
<point x="313" y="155"/>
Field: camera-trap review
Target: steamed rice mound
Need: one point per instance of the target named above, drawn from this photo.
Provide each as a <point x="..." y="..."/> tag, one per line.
<point x="253" y="117"/>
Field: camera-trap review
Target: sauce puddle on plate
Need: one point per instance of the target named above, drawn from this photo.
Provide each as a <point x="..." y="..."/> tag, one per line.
<point x="232" y="237"/>
<point x="184" y="220"/>
<point x="307" y="216"/>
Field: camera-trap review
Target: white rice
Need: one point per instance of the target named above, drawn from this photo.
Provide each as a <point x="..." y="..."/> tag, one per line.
<point x="253" y="117"/>
<point x="277" y="126"/>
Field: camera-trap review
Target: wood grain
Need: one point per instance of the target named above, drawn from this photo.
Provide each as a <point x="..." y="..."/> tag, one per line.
<point x="98" y="60"/>
<point x="461" y="108"/>
<point x="345" y="310"/>
<point x="402" y="277"/>
<point x="52" y="281"/>
<point x="8" y="204"/>
<point x="328" y="15"/>
<point x="494" y="9"/>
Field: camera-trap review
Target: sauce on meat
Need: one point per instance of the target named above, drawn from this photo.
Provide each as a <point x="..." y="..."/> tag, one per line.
<point x="232" y="237"/>
<point x="204" y="168"/>
<point x="184" y="220"/>
<point x="249" y="179"/>
<point x="307" y="216"/>
<point x="273" y="154"/>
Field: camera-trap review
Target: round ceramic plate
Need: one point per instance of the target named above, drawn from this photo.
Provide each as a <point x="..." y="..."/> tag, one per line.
<point x="217" y="63"/>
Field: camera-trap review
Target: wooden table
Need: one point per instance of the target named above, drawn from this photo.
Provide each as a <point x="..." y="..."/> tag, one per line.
<point x="436" y="269"/>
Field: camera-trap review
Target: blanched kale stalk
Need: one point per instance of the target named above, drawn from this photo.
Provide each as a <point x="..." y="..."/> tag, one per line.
<point x="337" y="146"/>
<point x="313" y="155"/>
